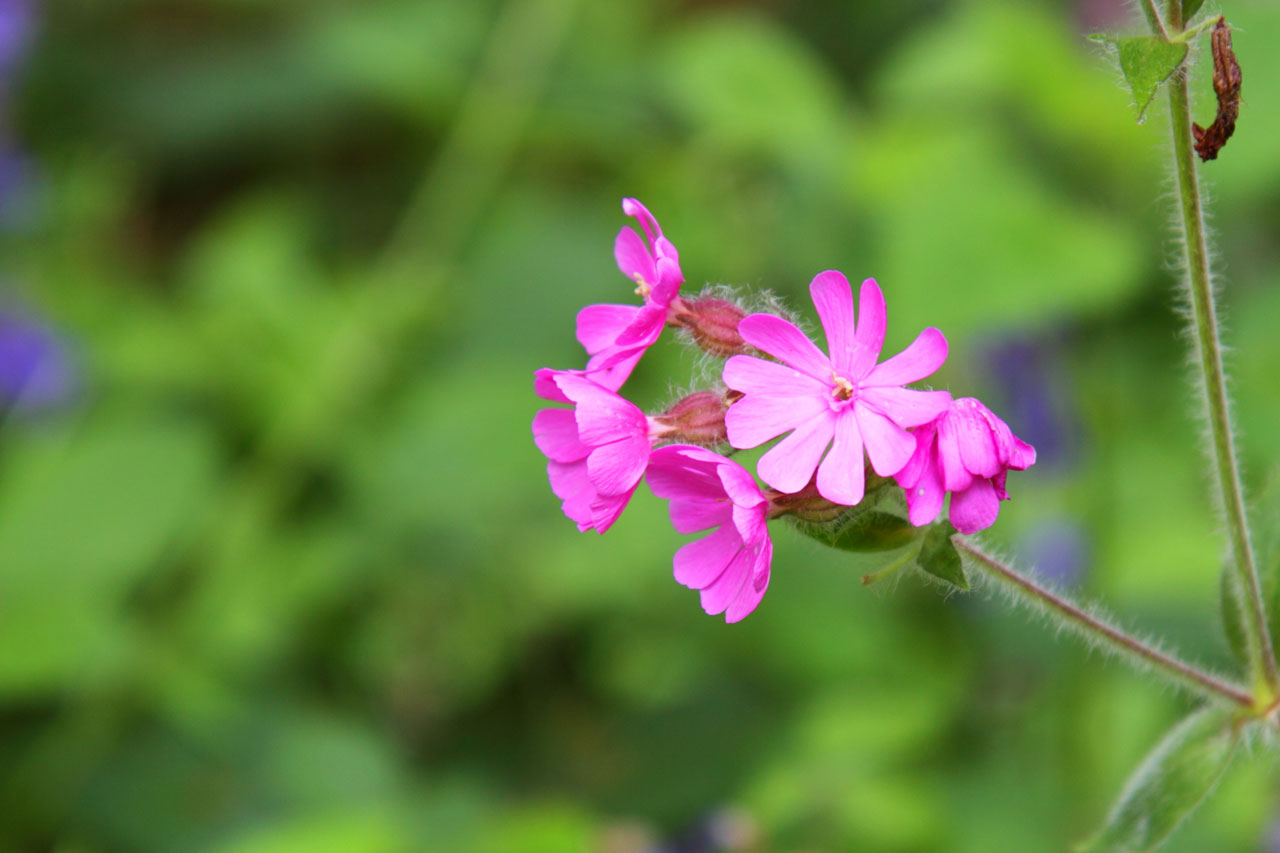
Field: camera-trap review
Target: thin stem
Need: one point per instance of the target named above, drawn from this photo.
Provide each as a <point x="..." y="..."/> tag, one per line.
<point x="1208" y="347"/>
<point x="1138" y="653"/>
<point x="1153" y="18"/>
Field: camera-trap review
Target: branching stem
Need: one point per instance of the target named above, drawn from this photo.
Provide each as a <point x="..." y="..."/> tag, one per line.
<point x="1135" y="651"/>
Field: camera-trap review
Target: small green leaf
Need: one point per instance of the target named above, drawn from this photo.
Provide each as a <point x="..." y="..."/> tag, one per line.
<point x="869" y="531"/>
<point x="1189" y="8"/>
<point x="1147" y="61"/>
<point x="939" y="557"/>
<point x="1229" y="604"/>
<point x="1171" y="781"/>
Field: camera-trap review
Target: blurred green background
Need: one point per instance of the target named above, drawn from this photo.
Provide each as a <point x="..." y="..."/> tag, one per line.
<point x="279" y="566"/>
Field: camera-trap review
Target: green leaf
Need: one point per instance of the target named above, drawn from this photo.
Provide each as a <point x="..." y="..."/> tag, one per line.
<point x="940" y="558"/>
<point x="1189" y="8"/>
<point x="1147" y="61"/>
<point x="1171" y="781"/>
<point x="869" y="531"/>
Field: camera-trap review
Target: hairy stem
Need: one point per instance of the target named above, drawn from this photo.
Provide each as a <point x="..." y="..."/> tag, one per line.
<point x="1153" y="18"/>
<point x="1209" y="348"/>
<point x="1140" y="655"/>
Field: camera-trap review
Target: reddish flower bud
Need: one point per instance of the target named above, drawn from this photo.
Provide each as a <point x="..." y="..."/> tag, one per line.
<point x="696" y="419"/>
<point x="713" y="324"/>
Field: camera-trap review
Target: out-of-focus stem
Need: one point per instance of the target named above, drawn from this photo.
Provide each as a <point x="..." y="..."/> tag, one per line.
<point x="1139" y="654"/>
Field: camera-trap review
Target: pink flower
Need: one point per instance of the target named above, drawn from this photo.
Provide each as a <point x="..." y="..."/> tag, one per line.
<point x="967" y="451"/>
<point x="597" y="451"/>
<point x="731" y="565"/>
<point x="844" y="400"/>
<point x="616" y="336"/>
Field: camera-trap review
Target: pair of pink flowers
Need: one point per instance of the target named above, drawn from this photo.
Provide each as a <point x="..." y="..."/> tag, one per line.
<point x="835" y="409"/>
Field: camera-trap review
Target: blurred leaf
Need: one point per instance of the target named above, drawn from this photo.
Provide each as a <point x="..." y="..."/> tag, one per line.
<point x="348" y="831"/>
<point x="1229" y="611"/>
<point x="939" y="557"/>
<point x="1172" y="780"/>
<point x="1189" y="8"/>
<point x="1147" y="61"/>
<point x="865" y="531"/>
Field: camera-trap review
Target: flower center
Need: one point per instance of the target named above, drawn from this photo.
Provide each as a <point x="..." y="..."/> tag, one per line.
<point x="843" y="390"/>
<point x="644" y="287"/>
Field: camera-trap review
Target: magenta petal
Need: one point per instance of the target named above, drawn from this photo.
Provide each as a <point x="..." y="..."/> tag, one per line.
<point x="924" y="454"/>
<point x="692" y="516"/>
<point x="977" y="444"/>
<point x="724" y="589"/>
<point x="602" y="415"/>
<point x="785" y="342"/>
<point x="570" y="484"/>
<point x="738" y="484"/>
<point x="617" y="467"/>
<point x="842" y="476"/>
<point x="633" y="257"/>
<point x="649" y="222"/>
<point x="750" y="521"/>
<point x="556" y="433"/>
<point x="889" y="446"/>
<point x="544" y="384"/>
<point x="907" y="407"/>
<point x="598" y="326"/>
<point x="833" y="298"/>
<point x="669" y="280"/>
<point x="753" y="591"/>
<point x="790" y="464"/>
<point x="679" y="472"/>
<point x="872" y="320"/>
<point x="752" y="375"/>
<point x="645" y="328"/>
<point x="610" y="368"/>
<point x="605" y="509"/>
<point x="976" y="507"/>
<point x="698" y="564"/>
<point x="955" y="476"/>
<point x="757" y="418"/>
<point x="925" y="495"/>
<point x="925" y="355"/>
<point x="1023" y="455"/>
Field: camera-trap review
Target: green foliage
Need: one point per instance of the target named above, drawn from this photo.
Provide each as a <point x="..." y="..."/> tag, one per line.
<point x="867" y="531"/>
<point x="1147" y="61"/>
<point x="1169" y="784"/>
<point x="939" y="557"/>
<point x="1189" y="9"/>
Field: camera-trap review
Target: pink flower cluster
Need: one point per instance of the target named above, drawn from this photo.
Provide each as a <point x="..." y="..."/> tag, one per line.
<point x="834" y="410"/>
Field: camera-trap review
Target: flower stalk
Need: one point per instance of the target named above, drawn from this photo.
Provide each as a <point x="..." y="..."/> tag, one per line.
<point x="1262" y="660"/>
<point x="1138" y="654"/>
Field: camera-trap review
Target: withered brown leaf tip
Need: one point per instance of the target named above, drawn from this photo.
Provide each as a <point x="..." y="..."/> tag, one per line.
<point x="1226" y="85"/>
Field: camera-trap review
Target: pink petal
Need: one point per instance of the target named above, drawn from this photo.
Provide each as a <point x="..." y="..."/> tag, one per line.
<point x="605" y="509"/>
<point x="544" y="384"/>
<point x="872" y="320"/>
<point x="645" y="328"/>
<point x="556" y="433"/>
<point x="925" y="355"/>
<point x="610" y="368"/>
<point x="905" y="406"/>
<point x="925" y="454"/>
<point x="617" y="467"/>
<point x="889" y="446"/>
<point x="633" y="257"/>
<point x="633" y="207"/>
<point x="833" y="298"/>
<point x="757" y="418"/>
<point x="785" y="342"/>
<point x="925" y="495"/>
<point x="569" y="482"/>
<point x="955" y="476"/>
<point x="738" y="484"/>
<point x="669" y="279"/>
<point x="752" y="592"/>
<point x="598" y="326"/>
<point x="698" y="564"/>
<point x="752" y="375"/>
<point x="789" y="465"/>
<point x="997" y="482"/>
<point x="717" y="596"/>
<point x="976" y="507"/>
<point x="977" y="444"/>
<point x="1023" y="455"/>
<point x="602" y="415"/>
<point x="692" y="516"/>
<point x="842" y="477"/>
<point x="680" y="472"/>
<point x="750" y="521"/>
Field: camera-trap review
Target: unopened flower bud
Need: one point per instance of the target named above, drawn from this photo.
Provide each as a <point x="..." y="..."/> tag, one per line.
<point x="713" y="323"/>
<point x="695" y="419"/>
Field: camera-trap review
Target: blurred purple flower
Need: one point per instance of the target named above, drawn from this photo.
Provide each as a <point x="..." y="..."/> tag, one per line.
<point x="16" y="18"/>
<point x="1059" y="549"/>
<point x="35" y="370"/>
<point x="1032" y="397"/>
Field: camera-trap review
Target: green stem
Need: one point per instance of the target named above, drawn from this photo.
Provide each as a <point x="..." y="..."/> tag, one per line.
<point x="1209" y="349"/>
<point x="1140" y="655"/>
<point x="1153" y="18"/>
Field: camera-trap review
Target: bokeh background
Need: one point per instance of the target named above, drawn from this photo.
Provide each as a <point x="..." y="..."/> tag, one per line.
<point x="279" y="567"/>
